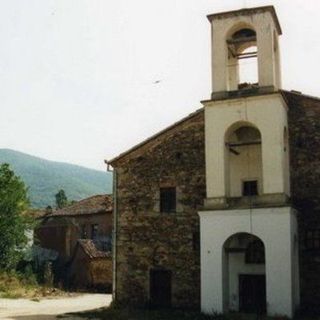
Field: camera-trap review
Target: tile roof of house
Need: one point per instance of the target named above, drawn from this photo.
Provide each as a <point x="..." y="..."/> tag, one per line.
<point x="36" y="213"/>
<point x="91" y="250"/>
<point x="92" y="205"/>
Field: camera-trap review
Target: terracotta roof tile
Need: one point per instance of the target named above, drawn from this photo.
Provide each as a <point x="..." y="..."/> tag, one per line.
<point x="90" y="248"/>
<point x="92" y="205"/>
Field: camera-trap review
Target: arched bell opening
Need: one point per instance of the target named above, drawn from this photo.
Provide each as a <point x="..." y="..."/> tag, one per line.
<point x="243" y="59"/>
<point x="243" y="157"/>
<point x="244" y="281"/>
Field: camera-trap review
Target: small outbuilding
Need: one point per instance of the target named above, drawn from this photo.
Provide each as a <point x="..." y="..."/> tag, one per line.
<point x="90" y="267"/>
<point x="81" y="234"/>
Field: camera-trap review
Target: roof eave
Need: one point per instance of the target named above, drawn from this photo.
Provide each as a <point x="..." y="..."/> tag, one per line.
<point x="144" y="142"/>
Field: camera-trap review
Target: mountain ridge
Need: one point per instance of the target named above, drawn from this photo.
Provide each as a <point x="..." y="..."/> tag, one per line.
<point x="45" y="178"/>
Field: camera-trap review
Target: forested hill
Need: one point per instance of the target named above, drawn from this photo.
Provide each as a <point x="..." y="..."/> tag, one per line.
<point x="45" y="178"/>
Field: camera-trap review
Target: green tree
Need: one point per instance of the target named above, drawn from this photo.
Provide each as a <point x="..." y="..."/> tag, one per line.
<point x="61" y="199"/>
<point x="14" y="223"/>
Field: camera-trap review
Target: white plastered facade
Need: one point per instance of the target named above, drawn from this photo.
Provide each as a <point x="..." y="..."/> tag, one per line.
<point x="277" y="228"/>
<point x="267" y="113"/>
<point x="272" y="221"/>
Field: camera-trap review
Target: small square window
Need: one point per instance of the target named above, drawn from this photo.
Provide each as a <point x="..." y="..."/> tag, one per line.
<point x="167" y="199"/>
<point x="250" y="188"/>
<point x="255" y="252"/>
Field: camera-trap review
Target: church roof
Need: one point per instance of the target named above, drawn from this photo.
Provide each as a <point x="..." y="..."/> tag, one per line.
<point x="153" y="137"/>
<point x="289" y="97"/>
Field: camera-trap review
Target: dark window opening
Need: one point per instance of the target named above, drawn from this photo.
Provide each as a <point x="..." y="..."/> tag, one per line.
<point x="255" y="252"/>
<point x="103" y="244"/>
<point x="94" y="231"/>
<point x="312" y="239"/>
<point x="179" y="155"/>
<point x="250" y="188"/>
<point x="167" y="199"/>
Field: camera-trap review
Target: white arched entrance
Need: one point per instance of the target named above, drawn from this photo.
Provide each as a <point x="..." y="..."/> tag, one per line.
<point x="225" y="237"/>
<point x="244" y="268"/>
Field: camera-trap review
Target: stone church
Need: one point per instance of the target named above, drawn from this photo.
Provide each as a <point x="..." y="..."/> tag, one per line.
<point x="221" y="210"/>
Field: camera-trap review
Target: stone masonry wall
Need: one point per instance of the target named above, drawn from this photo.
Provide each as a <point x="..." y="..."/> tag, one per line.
<point x="304" y="135"/>
<point x="149" y="239"/>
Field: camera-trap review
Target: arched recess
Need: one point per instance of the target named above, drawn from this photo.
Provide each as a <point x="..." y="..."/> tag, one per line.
<point x="244" y="280"/>
<point x="243" y="160"/>
<point x="242" y="57"/>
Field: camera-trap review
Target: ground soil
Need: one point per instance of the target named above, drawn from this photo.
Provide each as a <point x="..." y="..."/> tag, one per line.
<point x="49" y="309"/>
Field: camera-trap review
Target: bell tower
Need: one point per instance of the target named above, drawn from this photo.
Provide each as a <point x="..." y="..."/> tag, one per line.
<point x="246" y="123"/>
<point x="251" y="35"/>
<point x="247" y="205"/>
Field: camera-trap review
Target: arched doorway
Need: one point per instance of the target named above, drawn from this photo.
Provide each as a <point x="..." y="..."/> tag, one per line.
<point x="244" y="274"/>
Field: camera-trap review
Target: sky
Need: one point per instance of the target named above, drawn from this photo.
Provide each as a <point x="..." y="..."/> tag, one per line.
<point x="84" y="80"/>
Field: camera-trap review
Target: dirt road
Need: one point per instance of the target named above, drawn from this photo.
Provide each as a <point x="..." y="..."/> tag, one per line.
<point x="24" y="309"/>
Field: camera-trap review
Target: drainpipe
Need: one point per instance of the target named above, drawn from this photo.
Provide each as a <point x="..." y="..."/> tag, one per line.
<point x="114" y="231"/>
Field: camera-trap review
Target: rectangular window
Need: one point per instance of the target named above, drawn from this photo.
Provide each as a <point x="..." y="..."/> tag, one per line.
<point x="250" y="188"/>
<point x="94" y="231"/>
<point x="167" y="199"/>
<point x="312" y="239"/>
<point x="83" y="231"/>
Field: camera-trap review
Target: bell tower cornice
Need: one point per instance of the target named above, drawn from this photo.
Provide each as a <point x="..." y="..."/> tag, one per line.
<point x="247" y="12"/>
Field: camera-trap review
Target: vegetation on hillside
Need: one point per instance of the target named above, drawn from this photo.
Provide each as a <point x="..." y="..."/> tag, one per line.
<point x="14" y="224"/>
<point x="45" y="178"/>
<point x="61" y="199"/>
<point x="19" y="275"/>
<point x="14" y="228"/>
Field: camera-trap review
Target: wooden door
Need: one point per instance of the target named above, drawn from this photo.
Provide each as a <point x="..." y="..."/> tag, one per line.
<point x="252" y="293"/>
<point x="160" y="288"/>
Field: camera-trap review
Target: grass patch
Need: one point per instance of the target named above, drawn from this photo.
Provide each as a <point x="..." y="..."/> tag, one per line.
<point x="15" y="285"/>
<point x="114" y="313"/>
<point x="122" y="313"/>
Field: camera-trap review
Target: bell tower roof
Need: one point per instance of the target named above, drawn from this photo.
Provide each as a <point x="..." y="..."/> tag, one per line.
<point x="247" y="12"/>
